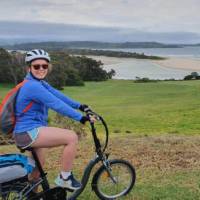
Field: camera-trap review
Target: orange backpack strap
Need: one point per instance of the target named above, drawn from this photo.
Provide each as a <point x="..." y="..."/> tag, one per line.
<point x="31" y="103"/>
<point x="11" y="92"/>
<point x="20" y="84"/>
<point x="28" y="107"/>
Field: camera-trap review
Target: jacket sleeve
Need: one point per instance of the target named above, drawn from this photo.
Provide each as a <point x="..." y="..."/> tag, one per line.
<point x="38" y="93"/>
<point x="61" y="96"/>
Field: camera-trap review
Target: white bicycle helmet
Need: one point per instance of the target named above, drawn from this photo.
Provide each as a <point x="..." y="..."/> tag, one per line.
<point x="37" y="54"/>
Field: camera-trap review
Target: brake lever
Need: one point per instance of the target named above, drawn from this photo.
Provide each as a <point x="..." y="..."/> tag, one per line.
<point x="95" y="115"/>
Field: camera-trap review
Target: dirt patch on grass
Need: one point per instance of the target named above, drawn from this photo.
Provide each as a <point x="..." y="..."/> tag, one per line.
<point x="163" y="152"/>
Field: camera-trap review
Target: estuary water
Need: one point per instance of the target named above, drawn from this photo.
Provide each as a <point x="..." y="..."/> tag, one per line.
<point x="132" y="68"/>
<point x="191" y="52"/>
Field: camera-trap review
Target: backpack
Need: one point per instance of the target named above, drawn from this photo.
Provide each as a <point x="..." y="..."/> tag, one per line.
<point x="7" y="109"/>
<point x="14" y="166"/>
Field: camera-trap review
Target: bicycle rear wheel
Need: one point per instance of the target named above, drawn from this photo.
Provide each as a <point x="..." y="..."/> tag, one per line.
<point x="12" y="191"/>
<point x="13" y="195"/>
<point x="118" y="183"/>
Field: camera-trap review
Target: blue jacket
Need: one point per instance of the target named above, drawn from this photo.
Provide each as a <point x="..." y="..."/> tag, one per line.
<point x="44" y="97"/>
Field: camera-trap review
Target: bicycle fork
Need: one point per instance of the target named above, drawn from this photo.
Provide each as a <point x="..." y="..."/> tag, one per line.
<point x="108" y="168"/>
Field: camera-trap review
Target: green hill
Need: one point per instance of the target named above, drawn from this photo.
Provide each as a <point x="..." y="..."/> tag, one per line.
<point x="89" y="44"/>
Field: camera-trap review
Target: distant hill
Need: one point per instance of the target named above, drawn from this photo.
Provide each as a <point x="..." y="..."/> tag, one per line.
<point x="88" y="44"/>
<point x="192" y="45"/>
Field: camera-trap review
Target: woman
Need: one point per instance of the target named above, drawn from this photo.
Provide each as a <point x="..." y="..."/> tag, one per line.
<point x="31" y="128"/>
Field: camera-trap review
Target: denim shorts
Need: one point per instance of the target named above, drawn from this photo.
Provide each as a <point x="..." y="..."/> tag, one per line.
<point x="26" y="139"/>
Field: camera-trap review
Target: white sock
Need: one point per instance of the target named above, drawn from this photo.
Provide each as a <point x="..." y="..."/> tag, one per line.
<point x="65" y="175"/>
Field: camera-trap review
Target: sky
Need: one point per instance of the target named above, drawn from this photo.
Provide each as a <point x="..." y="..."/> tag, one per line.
<point x="135" y="20"/>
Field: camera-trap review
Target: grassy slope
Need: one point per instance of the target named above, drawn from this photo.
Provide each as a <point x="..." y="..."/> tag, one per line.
<point x="167" y="164"/>
<point x="144" y="108"/>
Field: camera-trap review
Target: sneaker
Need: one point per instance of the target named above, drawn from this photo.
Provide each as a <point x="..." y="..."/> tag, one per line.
<point x="69" y="183"/>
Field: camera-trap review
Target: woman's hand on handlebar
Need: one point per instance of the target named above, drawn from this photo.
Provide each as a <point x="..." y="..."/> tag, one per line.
<point x="92" y="118"/>
<point x="89" y="118"/>
<point x="90" y="115"/>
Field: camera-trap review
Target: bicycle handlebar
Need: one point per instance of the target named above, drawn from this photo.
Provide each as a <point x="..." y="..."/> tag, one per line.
<point x="89" y="113"/>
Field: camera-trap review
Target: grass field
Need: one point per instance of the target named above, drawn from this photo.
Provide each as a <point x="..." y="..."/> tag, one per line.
<point x="153" y="125"/>
<point x="144" y="108"/>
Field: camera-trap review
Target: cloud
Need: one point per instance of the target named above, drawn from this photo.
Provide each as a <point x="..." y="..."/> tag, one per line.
<point x="144" y="15"/>
<point x="30" y="32"/>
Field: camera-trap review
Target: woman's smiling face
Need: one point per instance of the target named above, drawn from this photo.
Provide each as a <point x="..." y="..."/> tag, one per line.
<point x="39" y="68"/>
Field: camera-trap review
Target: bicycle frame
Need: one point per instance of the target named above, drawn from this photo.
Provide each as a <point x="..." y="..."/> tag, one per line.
<point x="100" y="156"/>
<point x="47" y="191"/>
<point x="85" y="177"/>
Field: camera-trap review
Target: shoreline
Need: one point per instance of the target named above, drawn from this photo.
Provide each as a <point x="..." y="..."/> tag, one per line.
<point x="106" y="60"/>
<point x="179" y="63"/>
<point x="169" y="62"/>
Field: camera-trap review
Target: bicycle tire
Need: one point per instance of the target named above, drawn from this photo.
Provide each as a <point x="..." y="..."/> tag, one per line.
<point x="118" y="168"/>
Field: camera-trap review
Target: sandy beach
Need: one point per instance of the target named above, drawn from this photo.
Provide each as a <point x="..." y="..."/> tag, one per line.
<point x="108" y="60"/>
<point x="171" y="62"/>
<point x="180" y="63"/>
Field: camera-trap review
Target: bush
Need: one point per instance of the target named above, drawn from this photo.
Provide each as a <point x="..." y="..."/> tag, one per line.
<point x="73" y="78"/>
<point x="144" y="80"/>
<point x="67" y="70"/>
<point x="192" y="76"/>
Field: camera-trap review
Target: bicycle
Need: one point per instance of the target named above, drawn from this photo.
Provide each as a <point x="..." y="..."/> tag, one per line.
<point x="113" y="179"/>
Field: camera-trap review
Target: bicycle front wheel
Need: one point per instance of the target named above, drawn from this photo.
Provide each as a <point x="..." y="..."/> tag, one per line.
<point x="115" y="181"/>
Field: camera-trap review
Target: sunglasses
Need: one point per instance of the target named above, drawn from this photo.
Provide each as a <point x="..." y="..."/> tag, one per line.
<point x="38" y="66"/>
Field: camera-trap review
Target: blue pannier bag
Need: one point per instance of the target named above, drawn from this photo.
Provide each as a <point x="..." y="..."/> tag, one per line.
<point x="14" y="166"/>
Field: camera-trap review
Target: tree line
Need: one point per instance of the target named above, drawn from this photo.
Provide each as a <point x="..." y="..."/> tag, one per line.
<point x="67" y="70"/>
<point x="110" y="53"/>
<point x="92" y="48"/>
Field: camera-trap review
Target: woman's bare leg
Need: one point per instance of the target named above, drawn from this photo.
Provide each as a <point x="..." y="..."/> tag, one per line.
<point x="52" y="137"/>
<point x="34" y="176"/>
<point x="41" y="156"/>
